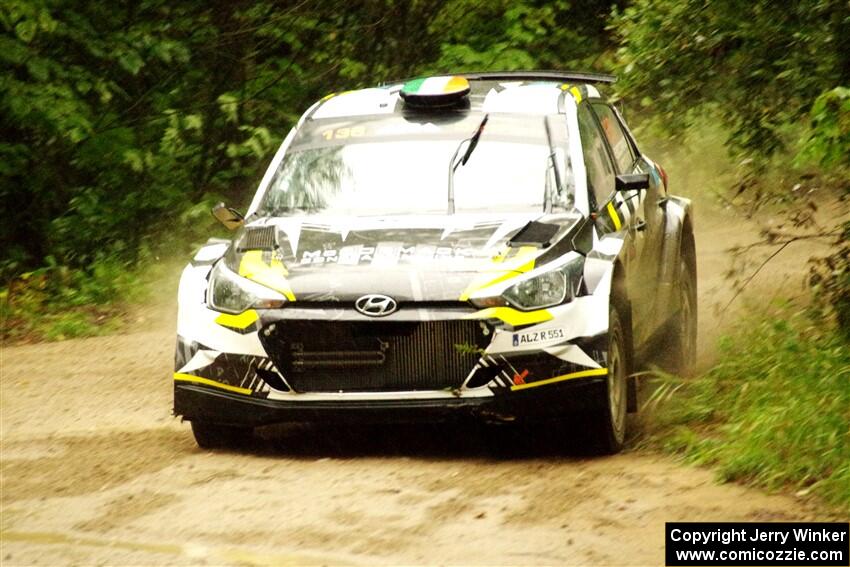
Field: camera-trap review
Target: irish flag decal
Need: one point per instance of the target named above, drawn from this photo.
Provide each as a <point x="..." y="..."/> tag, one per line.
<point x="435" y="90"/>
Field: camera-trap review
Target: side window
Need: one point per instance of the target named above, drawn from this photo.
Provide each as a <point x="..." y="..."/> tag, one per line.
<point x="617" y="139"/>
<point x="597" y="161"/>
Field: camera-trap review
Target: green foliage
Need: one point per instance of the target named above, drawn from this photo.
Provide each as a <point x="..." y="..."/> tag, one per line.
<point x="508" y="35"/>
<point x="773" y="413"/>
<point x="758" y="66"/>
<point x="117" y="120"/>
<point x="56" y="302"/>
<point x="830" y="281"/>
<point x="829" y="138"/>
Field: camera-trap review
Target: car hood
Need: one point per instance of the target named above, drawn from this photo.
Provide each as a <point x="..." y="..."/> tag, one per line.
<point x="411" y="258"/>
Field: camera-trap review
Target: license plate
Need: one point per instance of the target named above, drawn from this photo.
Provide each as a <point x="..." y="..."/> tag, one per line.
<point x="532" y="337"/>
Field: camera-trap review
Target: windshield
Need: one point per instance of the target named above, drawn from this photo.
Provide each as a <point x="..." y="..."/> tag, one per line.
<point x="395" y="164"/>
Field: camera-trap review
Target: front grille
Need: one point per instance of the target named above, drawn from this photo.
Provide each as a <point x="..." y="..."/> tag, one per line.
<point x="333" y="356"/>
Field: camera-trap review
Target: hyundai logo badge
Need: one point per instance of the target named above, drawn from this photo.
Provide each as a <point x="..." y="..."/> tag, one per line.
<point x="376" y="305"/>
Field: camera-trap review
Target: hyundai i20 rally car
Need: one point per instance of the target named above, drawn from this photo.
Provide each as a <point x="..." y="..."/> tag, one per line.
<point x="493" y="245"/>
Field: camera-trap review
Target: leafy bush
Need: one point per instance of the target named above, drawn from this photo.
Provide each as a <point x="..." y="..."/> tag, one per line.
<point x="829" y="140"/>
<point x="774" y="412"/>
<point x="754" y="65"/>
<point x="830" y="280"/>
<point x="56" y="302"/>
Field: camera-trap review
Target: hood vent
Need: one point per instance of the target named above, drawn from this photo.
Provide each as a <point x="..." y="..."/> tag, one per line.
<point x="535" y="234"/>
<point x="258" y="238"/>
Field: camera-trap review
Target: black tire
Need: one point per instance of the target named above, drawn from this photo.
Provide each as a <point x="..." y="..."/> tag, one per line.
<point x="216" y="436"/>
<point x="683" y="339"/>
<point x="609" y="421"/>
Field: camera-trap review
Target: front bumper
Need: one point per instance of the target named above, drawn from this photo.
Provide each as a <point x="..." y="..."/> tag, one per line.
<point x="537" y="364"/>
<point x="209" y="404"/>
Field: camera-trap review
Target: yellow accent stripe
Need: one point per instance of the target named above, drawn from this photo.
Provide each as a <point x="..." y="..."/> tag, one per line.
<point x="614" y="216"/>
<point x="511" y="316"/>
<point x="241" y="321"/>
<point x="330" y="96"/>
<point x="576" y="94"/>
<point x="579" y="374"/>
<point x="523" y="260"/>
<point x="178" y="377"/>
<point x="519" y="263"/>
<point x="486" y="280"/>
<point x="272" y="275"/>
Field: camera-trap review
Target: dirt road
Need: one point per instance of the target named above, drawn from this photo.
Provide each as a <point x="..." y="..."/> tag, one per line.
<point x="95" y="470"/>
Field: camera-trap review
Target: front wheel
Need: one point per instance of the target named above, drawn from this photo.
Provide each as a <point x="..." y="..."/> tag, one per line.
<point x="609" y="422"/>
<point x="216" y="436"/>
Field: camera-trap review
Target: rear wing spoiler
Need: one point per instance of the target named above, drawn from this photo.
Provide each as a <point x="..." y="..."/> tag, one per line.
<point x="563" y="76"/>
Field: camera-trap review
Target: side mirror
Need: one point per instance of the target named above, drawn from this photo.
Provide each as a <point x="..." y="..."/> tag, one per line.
<point x="230" y="218"/>
<point x="632" y="182"/>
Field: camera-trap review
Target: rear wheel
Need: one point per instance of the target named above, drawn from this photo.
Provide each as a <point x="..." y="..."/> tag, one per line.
<point x="684" y="331"/>
<point x="216" y="436"/>
<point x="609" y="422"/>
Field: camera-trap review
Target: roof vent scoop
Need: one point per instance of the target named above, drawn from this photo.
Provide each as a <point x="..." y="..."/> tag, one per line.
<point x="435" y="91"/>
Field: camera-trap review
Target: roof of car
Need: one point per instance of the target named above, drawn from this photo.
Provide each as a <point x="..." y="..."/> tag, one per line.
<point x="525" y="92"/>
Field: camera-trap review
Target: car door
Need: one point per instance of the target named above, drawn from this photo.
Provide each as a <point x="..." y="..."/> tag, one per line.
<point x="645" y="224"/>
<point x="655" y="217"/>
<point x="609" y="152"/>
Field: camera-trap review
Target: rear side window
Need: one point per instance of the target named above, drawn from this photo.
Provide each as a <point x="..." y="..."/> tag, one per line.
<point x="597" y="160"/>
<point x="623" y="153"/>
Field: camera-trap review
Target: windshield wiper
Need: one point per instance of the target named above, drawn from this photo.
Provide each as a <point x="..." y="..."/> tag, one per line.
<point x="454" y="163"/>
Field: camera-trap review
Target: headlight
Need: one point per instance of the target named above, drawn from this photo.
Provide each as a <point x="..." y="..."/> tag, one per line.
<point x="543" y="291"/>
<point x="549" y="288"/>
<point x="231" y="293"/>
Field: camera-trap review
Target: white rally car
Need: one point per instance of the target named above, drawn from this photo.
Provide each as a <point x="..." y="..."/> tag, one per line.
<point x="493" y="245"/>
